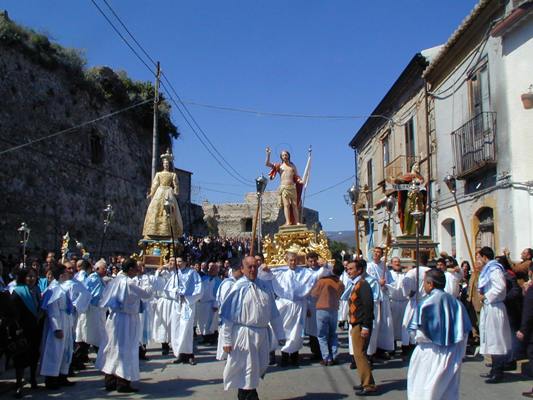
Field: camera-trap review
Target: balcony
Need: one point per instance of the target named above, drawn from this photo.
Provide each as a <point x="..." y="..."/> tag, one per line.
<point x="398" y="167"/>
<point x="474" y="144"/>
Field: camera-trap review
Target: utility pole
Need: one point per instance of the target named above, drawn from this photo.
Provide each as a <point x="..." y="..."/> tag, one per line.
<point x="155" y="136"/>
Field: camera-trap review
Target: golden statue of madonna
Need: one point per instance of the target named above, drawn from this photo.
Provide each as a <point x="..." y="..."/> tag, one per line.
<point x="165" y="188"/>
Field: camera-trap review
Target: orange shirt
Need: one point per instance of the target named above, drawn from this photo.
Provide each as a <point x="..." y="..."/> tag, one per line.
<point x="328" y="291"/>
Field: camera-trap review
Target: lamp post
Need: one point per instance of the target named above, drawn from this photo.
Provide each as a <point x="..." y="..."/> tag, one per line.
<point x="24" y="231"/>
<point x="353" y="194"/>
<point x="417" y="215"/>
<point x="257" y="229"/>
<point x="108" y="214"/>
<point x="368" y="196"/>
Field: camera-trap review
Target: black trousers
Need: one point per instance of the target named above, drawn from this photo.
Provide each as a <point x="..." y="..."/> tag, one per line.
<point x="247" y="394"/>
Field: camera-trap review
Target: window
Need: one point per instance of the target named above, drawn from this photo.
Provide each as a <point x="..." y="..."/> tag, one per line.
<point x="410" y="146"/>
<point x="370" y="180"/>
<point x="479" y="90"/>
<point x="247" y="224"/>
<point x="97" y="149"/>
<point x="386" y="150"/>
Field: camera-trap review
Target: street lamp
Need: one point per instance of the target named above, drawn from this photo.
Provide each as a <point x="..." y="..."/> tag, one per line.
<point x="353" y="195"/>
<point x="451" y="182"/>
<point x="24" y="231"/>
<point x="257" y="229"/>
<point x="108" y="214"/>
<point x="368" y="196"/>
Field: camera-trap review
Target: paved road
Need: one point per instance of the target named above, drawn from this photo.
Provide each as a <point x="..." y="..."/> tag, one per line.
<point x="160" y="379"/>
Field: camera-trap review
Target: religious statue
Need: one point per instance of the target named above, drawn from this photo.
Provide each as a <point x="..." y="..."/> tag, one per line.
<point x="290" y="188"/>
<point x="164" y="189"/>
<point x="410" y="200"/>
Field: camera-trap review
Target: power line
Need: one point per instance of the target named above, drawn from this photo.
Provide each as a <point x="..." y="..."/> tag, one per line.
<point x="171" y="97"/>
<point x="202" y="131"/>
<point x="331" y="187"/>
<point x="129" y="33"/>
<point x="122" y="37"/>
<point x="73" y="128"/>
<point x="236" y="175"/>
<point x="260" y="113"/>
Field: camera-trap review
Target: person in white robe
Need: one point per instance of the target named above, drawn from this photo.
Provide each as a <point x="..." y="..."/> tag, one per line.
<point x="222" y="293"/>
<point x="398" y="299"/>
<point x="164" y="276"/>
<point x="441" y="327"/>
<point x="207" y="307"/>
<point x="343" y="304"/>
<point x="183" y="288"/>
<point x="494" y="327"/>
<point x="246" y="313"/>
<point x="292" y="284"/>
<point x="413" y="293"/>
<point x="57" y="342"/>
<point x="145" y="281"/>
<point x="118" y="358"/>
<point x="90" y="328"/>
<point x="382" y="338"/>
<point x="81" y="298"/>
<point x="453" y="278"/>
<point x="311" y="328"/>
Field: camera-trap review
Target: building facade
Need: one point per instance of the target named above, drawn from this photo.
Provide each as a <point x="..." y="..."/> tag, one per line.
<point x="483" y="133"/>
<point x="456" y="110"/>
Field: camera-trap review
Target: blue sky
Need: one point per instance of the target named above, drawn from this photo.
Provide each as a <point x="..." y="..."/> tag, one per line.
<point x="298" y="56"/>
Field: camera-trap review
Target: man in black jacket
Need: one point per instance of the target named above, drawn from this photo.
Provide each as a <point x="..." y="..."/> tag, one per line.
<point x="360" y="317"/>
<point x="525" y="333"/>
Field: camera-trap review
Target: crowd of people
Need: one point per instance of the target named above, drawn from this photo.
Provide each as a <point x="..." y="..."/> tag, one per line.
<point x="52" y="315"/>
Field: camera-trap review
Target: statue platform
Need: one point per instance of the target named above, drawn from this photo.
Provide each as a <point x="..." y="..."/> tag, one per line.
<point x="156" y="251"/>
<point x="405" y="248"/>
<point x="294" y="238"/>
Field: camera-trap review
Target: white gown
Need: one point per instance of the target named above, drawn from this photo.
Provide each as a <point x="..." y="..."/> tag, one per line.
<point x="409" y="287"/>
<point x="163" y="306"/>
<point x="292" y="287"/>
<point x="222" y="292"/>
<point x="187" y="292"/>
<point x="119" y="356"/>
<point x="343" y="304"/>
<point x="398" y="302"/>
<point x="56" y="354"/>
<point x="247" y="331"/>
<point x="207" y="316"/>
<point x="383" y="332"/>
<point x="434" y="371"/>
<point x="494" y="328"/>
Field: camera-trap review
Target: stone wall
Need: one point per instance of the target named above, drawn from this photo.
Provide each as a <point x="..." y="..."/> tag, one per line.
<point x="235" y="219"/>
<point x="63" y="183"/>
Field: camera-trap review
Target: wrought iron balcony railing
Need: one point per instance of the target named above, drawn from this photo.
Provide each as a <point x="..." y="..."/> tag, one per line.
<point x="474" y="144"/>
<point x="398" y="167"/>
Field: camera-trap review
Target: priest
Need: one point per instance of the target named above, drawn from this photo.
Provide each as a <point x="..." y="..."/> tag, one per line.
<point x="207" y="307"/>
<point x="441" y="327"/>
<point x="246" y="314"/>
<point x="118" y="358"/>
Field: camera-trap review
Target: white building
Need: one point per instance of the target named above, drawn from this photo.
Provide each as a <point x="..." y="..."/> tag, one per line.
<point x="482" y="133"/>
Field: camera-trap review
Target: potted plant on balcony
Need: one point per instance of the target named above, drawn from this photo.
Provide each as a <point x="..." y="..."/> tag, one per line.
<point x="527" y="98"/>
